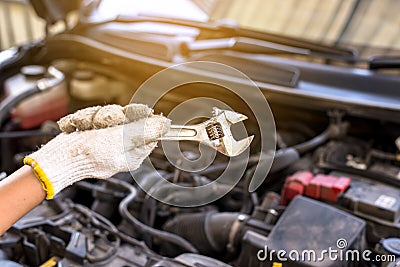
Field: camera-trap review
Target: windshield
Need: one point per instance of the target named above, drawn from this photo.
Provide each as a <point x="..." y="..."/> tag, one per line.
<point x="365" y="24"/>
<point x="179" y="9"/>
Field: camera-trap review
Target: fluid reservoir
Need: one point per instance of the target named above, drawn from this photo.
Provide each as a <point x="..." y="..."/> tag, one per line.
<point x="89" y="88"/>
<point x="32" y="112"/>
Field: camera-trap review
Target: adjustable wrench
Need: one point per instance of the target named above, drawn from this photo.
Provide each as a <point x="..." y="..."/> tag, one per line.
<point x="215" y="133"/>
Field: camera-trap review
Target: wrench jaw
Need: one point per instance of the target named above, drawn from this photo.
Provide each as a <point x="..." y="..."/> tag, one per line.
<point x="241" y="146"/>
<point x="232" y="149"/>
<point x="231" y="117"/>
<point x="225" y="143"/>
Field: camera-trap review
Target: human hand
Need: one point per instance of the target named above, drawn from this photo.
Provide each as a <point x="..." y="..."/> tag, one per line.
<point x="97" y="142"/>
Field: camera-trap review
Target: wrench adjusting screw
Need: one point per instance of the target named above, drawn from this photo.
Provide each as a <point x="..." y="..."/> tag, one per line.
<point x="214" y="131"/>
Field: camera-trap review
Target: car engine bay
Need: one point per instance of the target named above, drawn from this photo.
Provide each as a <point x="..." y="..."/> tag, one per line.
<point x="335" y="175"/>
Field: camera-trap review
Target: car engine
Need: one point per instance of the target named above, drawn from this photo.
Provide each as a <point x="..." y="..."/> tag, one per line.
<point x="334" y="180"/>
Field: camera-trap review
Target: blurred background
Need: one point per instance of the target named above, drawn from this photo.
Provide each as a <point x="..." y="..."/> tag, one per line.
<point x="364" y="23"/>
<point x="18" y="23"/>
<point x="335" y="103"/>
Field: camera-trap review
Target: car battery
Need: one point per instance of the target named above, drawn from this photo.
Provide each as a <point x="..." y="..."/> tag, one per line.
<point x="320" y="186"/>
<point x="372" y="198"/>
<point x="327" y="187"/>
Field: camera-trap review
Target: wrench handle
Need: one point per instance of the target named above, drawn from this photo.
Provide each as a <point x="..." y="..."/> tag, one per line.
<point x="181" y="133"/>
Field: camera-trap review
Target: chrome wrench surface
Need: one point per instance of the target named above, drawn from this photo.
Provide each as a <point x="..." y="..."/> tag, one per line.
<point x="215" y="133"/>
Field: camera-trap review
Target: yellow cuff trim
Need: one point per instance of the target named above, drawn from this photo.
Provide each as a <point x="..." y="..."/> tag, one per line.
<point x="39" y="173"/>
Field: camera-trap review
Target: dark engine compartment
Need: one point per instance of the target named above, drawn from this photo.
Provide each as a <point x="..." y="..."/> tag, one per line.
<point x="335" y="177"/>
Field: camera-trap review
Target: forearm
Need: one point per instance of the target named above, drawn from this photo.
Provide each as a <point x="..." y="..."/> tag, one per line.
<point x="19" y="193"/>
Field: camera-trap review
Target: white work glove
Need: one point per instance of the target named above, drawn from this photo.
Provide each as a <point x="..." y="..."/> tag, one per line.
<point x="97" y="142"/>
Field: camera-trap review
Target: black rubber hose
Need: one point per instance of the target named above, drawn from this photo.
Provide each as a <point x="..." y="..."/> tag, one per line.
<point x="373" y="153"/>
<point x="282" y="158"/>
<point x="332" y="131"/>
<point x="165" y="236"/>
<point x="210" y="231"/>
<point x="29" y="133"/>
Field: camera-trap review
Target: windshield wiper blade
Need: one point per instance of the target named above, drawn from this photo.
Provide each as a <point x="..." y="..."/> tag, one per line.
<point x="384" y="62"/>
<point x="243" y="44"/>
<point x="317" y="49"/>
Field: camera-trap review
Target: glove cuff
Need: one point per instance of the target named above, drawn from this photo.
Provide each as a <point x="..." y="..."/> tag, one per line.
<point x="56" y="169"/>
<point x="54" y="179"/>
<point x="42" y="177"/>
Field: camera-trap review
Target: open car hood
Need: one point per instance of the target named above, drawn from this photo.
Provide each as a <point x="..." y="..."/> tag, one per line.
<point x="54" y="10"/>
